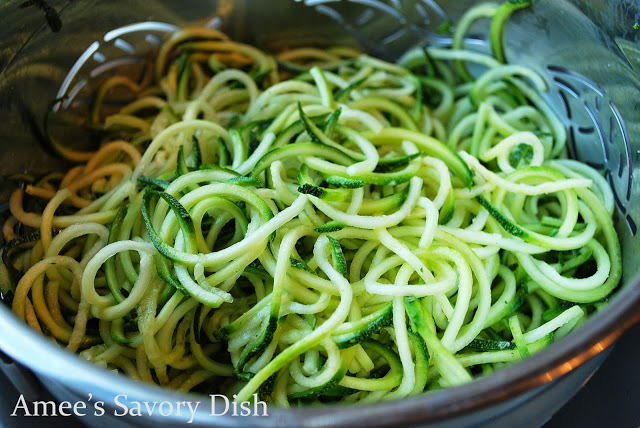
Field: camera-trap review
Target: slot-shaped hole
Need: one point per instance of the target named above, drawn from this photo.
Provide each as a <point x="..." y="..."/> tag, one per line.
<point x="616" y="198"/>
<point x="632" y="225"/>
<point x="124" y="45"/>
<point x="621" y="166"/>
<point x="365" y="17"/>
<point x="565" y="103"/>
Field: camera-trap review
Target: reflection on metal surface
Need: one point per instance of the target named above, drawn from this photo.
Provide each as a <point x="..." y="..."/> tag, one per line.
<point x="572" y="363"/>
<point x="62" y="92"/>
<point x="382" y="26"/>
<point x="148" y="27"/>
<point x="122" y="46"/>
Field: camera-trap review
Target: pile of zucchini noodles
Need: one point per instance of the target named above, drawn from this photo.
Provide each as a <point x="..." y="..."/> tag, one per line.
<point x="316" y="226"/>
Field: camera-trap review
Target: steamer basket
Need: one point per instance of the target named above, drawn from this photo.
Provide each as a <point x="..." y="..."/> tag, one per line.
<point x="588" y="52"/>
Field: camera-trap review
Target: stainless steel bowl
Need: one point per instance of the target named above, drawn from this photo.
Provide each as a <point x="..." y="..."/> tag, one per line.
<point x="587" y="51"/>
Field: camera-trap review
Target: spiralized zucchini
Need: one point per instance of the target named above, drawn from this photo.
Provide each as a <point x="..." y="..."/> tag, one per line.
<point x="316" y="226"/>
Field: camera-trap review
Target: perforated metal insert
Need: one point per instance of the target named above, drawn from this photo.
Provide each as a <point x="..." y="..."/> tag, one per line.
<point x="595" y="121"/>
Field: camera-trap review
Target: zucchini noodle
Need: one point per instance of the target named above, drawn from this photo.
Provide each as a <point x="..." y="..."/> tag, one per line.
<point x="316" y="226"/>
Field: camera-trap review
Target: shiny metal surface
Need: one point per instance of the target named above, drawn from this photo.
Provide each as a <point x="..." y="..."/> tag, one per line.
<point x="587" y="51"/>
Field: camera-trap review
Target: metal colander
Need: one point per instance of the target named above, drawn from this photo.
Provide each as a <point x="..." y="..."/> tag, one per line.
<point x="588" y="52"/>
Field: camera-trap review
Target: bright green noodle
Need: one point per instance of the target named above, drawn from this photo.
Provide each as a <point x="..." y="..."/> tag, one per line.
<point x="317" y="226"/>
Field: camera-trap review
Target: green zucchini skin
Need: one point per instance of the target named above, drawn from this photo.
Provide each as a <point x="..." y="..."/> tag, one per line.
<point x="366" y="328"/>
<point x="257" y="348"/>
